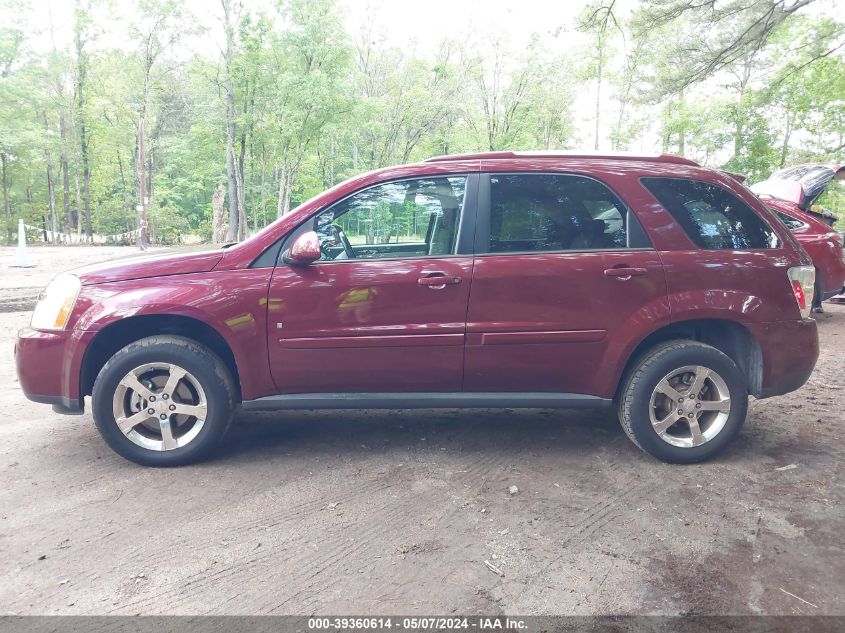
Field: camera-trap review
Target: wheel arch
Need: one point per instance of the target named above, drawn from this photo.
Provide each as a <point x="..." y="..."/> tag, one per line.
<point x="118" y="334"/>
<point x="730" y="337"/>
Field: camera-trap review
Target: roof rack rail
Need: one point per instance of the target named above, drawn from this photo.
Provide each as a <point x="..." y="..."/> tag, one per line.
<point x="505" y="155"/>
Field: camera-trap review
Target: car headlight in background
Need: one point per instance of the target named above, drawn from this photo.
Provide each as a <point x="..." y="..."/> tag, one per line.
<point x="56" y="303"/>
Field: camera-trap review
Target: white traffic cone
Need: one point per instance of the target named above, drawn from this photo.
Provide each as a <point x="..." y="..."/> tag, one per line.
<point x="22" y="261"/>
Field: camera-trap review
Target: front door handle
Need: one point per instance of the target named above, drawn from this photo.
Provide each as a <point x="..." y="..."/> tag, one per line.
<point x="624" y="273"/>
<point x="437" y="281"/>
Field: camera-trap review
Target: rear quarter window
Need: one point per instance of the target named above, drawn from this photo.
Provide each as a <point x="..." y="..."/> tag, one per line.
<point x="711" y="216"/>
<point x="791" y="223"/>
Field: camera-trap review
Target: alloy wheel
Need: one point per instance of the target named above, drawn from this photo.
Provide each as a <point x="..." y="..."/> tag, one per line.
<point x="690" y="406"/>
<point x="160" y="406"/>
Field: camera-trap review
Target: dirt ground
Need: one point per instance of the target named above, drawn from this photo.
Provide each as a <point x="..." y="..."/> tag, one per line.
<point x="396" y="513"/>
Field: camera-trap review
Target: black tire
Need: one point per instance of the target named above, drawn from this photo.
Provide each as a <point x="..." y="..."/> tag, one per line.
<point x="634" y="401"/>
<point x="205" y="366"/>
<point x="817" y="294"/>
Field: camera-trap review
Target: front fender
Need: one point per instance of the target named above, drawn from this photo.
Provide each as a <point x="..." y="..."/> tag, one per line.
<point x="232" y="303"/>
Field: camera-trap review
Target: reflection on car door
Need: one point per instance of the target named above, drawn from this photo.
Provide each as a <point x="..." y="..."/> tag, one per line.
<point x="562" y="267"/>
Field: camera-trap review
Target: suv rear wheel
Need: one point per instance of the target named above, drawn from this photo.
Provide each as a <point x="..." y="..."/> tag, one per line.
<point x="817" y="294"/>
<point x="683" y="402"/>
<point x="163" y="401"/>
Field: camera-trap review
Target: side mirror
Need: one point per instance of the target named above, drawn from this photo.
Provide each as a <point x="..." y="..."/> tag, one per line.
<point x="304" y="250"/>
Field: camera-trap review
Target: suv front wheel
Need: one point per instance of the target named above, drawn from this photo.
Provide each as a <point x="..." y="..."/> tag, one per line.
<point x="683" y="402"/>
<point x="163" y="401"/>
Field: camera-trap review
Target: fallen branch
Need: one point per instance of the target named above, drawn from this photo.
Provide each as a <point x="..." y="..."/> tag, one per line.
<point x="494" y="569"/>
<point x="815" y="606"/>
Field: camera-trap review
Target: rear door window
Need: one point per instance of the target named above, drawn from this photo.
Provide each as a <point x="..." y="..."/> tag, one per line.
<point x="711" y="216"/>
<point x="550" y="212"/>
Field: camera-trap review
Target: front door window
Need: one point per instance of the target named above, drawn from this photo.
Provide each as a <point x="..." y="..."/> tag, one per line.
<point x="401" y="219"/>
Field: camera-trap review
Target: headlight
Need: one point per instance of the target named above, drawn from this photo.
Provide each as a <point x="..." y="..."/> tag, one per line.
<point x="56" y="303"/>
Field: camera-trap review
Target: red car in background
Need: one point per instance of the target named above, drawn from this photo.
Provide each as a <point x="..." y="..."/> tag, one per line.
<point x="791" y="193"/>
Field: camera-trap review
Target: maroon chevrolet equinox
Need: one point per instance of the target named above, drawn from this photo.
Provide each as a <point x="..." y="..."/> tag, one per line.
<point x="504" y="279"/>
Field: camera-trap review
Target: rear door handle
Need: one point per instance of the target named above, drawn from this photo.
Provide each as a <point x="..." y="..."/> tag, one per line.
<point x="624" y="273"/>
<point x="437" y="281"/>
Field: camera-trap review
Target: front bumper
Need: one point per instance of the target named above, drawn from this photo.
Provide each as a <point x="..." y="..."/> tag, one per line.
<point x="48" y="365"/>
<point x="790" y="351"/>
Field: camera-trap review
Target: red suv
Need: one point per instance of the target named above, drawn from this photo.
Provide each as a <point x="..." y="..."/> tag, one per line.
<point x="503" y="279"/>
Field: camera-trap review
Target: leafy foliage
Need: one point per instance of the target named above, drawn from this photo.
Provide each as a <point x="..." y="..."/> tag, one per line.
<point x="745" y="85"/>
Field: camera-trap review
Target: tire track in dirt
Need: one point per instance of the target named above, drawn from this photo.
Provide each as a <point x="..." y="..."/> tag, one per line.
<point x="485" y="466"/>
<point x="595" y="517"/>
<point x="309" y="568"/>
<point x="20" y="299"/>
<point x="202" y="582"/>
<point x="603" y="512"/>
<point x="416" y="572"/>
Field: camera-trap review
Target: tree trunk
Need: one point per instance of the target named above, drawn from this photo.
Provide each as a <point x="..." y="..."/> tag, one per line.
<point x="65" y="176"/>
<point x="7" y="204"/>
<point x="263" y="187"/>
<point x="242" y="222"/>
<point x="219" y="227"/>
<point x="286" y="205"/>
<point x="784" y="150"/>
<point x="51" y="191"/>
<point x="86" y="163"/>
<point x="287" y="183"/>
<point x="599" y="73"/>
<point x="123" y="191"/>
<point x="739" y="131"/>
<point x="249" y="109"/>
<point x="233" y="179"/>
<point x="615" y="140"/>
<point x="254" y="210"/>
<point x="283" y="177"/>
<point x="81" y="77"/>
<point x="142" y="187"/>
<point x="78" y="208"/>
<point x="231" y="132"/>
<point x="332" y="151"/>
<point x="151" y="170"/>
